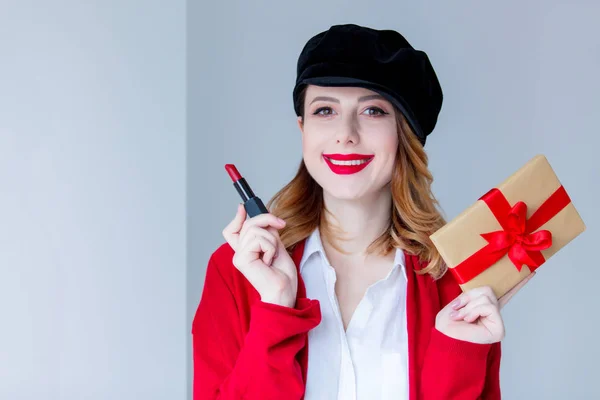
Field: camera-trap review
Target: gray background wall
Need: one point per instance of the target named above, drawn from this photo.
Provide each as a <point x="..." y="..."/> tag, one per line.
<point x="92" y="200"/>
<point x="519" y="78"/>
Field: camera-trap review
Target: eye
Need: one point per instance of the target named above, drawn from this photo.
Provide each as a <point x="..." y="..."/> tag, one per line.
<point x="377" y="111"/>
<point x="318" y="111"/>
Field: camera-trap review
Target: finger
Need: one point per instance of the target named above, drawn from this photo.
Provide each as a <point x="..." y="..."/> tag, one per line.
<point x="231" y="231"/>
<point x="251" y="252"/>
<point x="253" y="232"/>
<point x="472" y="304"/>
<point x="482" y="310"/>
<point x="509" y="295"/>
<point x="471" y="294"/>
<point x="269" y="256"/>
<point x="267" y="249"/>
<point x="279" y="244"/>
<point x="263" y="221"/>
<point x="274" y="232"/>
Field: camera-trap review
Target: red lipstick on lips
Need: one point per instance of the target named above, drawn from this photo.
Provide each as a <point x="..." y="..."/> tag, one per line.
<point x="253" y="204"/>
<point x="347" y="169"/>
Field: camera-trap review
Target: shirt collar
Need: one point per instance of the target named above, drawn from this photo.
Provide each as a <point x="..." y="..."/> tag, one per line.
<point x="314" y="245"/>
<point x="400" y="261"/>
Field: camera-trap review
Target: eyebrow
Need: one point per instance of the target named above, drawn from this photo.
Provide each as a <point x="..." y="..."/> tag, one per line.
<point x="334" y="100"/>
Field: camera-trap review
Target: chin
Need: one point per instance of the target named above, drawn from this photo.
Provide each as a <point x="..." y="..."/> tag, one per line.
<point x="345" y="196"/>
<point x="344" y="192"/>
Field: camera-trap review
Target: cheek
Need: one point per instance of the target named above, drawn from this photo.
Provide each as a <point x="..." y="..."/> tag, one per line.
<point x="387" y="148"/>
<point x="386" y="145"/>
<point x="312" y="145"/>
<point x="391" y="143"/>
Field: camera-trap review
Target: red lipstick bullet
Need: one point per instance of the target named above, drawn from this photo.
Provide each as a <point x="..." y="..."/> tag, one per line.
<point x="253" y="204"/>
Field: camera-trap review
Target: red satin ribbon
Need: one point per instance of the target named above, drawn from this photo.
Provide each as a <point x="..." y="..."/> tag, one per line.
<point x="517" y="237"/>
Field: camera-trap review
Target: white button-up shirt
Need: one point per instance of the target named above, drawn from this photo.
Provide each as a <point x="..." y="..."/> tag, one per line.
<point x="369" y="360"/>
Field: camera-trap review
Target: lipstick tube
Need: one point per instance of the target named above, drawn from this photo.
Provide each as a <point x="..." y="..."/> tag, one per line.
<point x="252" y="203"/>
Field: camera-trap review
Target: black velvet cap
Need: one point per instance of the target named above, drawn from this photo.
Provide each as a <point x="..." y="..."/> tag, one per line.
<point x="379" y="60"/>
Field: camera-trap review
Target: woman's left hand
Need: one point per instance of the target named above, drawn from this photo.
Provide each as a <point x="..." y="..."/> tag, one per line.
<point x="474" y="316"/>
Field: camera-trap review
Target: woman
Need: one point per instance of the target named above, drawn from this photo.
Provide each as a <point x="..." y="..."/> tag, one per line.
<point x="338" y="293"/>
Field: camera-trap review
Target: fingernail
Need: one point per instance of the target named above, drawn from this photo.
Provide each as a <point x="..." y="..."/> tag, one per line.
<point x="281" y="221"/>
<point x="453" y="314"/>
<point x="455" y="303"/>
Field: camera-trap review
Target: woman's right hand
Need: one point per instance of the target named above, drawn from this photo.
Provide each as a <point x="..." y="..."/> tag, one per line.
<point x="262" y="258"/>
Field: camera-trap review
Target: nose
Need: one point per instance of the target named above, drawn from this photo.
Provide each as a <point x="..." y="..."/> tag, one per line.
<point x="348" y="131"/>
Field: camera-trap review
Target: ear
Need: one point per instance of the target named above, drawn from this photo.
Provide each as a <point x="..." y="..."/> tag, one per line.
<point x="301" y="124"/>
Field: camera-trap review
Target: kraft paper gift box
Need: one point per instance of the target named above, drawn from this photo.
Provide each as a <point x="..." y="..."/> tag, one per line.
<point x="510" y="231"/>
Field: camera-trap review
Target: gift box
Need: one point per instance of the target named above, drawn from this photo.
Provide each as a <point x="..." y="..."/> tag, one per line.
<point x="511" y="230"/>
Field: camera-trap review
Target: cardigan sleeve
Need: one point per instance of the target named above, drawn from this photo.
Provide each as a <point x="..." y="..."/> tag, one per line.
<point x="457" y="369"/>
<point x="491" y="390"/>
<point x="262" y="363"/>
<point x="460" y="370"/>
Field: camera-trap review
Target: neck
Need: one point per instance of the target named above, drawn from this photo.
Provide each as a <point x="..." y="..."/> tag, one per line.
<point x="359" y="221"/>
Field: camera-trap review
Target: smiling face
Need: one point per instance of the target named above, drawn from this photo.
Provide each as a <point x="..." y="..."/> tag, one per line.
<point x="349" y="140"/>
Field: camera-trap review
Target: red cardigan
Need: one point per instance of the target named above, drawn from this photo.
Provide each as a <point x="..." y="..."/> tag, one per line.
<point x="247" y="349"/>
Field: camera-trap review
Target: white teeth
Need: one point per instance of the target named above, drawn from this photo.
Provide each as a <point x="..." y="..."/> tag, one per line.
<point x="350" y="162"/>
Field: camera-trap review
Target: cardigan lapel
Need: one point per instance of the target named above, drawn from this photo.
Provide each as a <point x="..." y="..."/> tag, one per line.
<point x="297" y="254"/>
<point x="422" y="303"/>
<point x="302" y="355"/>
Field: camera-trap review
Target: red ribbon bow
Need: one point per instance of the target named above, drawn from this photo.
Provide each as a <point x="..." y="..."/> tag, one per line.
<point x="522" y="247"/>
<point x="517" y="237"/>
